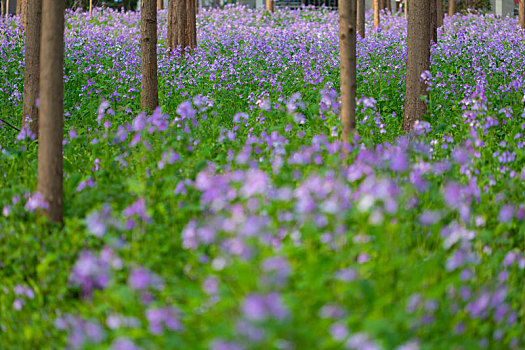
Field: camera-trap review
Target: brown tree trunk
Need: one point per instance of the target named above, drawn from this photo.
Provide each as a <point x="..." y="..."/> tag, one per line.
<point x="376" y="13"/>
<point x="347" y="43"/>
<point x="405" y="6"/>
<point x="50" y="172"/>
<point x="522" y="13"/>
<point x="159" y="5"/>
<point x="6" y="8"/>
<point x="2" y="8"/>
<point x="172" y="34"/>
<point x="451" y="7"/>
<point x="18" y="7"/>
<point x="270" y="5"/>
<point x="90" y="7"/>
<point x="148" y="60"/>
<point x="433" y="20"/>
<point x="23" y="13"/>
<point x="361" y="18"/>
<point x="191" y="24"/>
<point x="32" y="65"/>
<point x="418" y="61"/>
<point x="439" y="7"/>
<point x="388" y="5"/>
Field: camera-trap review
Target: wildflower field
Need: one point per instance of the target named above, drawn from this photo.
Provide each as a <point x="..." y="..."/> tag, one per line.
<point x="231" y="218"/>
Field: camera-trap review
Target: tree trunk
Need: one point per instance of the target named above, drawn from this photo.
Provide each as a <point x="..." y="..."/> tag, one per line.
<point x="451" y="7"/>
<point x="32" y="65"/>
<point x="191" y="24"/>
<point x="269" y="5"/>
<point x="148" y="60"/>
<point x="23" y="14"/>
<point x="18" y="7"/>
<point x="2" y="8"/>
<point x="159" y="5"/>
<point x="439" y="7"/>
<point x="418" y="61"/>
<point x="90" y="7"/>
<point x="433" y="20"/>
<point x="50" y="172"/>
<point x="376" y="13"/>
<point x="172" y="32"/>
<point x="522" y="13"/>
<point x="6" y="8"/>
<point x="405" y="6"/>
<point x="361" y="18"/>
<point x="388" y="5"/>
<point x="347" y="43"/>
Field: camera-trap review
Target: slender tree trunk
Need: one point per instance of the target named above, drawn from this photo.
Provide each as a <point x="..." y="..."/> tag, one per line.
<point x="361" y="18"/>
<point x="376" y="13"/>
<point x="23" y="13"/>
<point x="388" y="5"/>
<point x="18" y="7"/>
<point x="6" y="8"/>
<point x="418" y="61"/>
<point x="191" y="24"/>
<point x="433" y="20"/>
<point x="451" y="7"/>
<point x="50" y="172"/>
<point x="90" y="7"/>
<point x="405" y="6"/>
<point x="2" y="9"/>
<point x="439" y="7"/>
<point x="148" y="60"/>
<point x="159" y="5"/>
<point x="347" y="43"/>
<point x="269" y="5"/>
<point x="172" y="31"/>
<point x="522" y="13"/>
<point x="32" y="65"/>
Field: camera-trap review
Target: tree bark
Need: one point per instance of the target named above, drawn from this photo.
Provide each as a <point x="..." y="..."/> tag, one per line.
<point x="439" y="7"/>
<point x="376" y="13"/>
<point x="172" y="32"/>
<point x="347" y="43"/>
<point x="23" y="13"/>
<point x="418" y="61"/>
<point x="148" y="60"/>
<point x="18" y="7"/>
<point x="433" y="20"/>
<point x="50" y="172"/>
<point x="270" y="5"/>
<point x="32" y="65"/>
<point x="451" y="7"/>
<point x="90" y="7"/>
<point x="6" y="8"/>
<point x="405" y="7"/>
<point x="159" y="5"/>
<point x="361" y="18"/>
<point x="522" y="13"/>
<point x="2" y="8"/>
<point x="388" y="5"/>
<point x="191" y="21"/>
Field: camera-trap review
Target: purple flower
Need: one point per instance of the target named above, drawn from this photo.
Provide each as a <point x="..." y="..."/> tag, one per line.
<point x="141" y="278"/>
<point x="338" y="331"/>
<point x="506" y="213"/>
<point x="258" y="307"/>
<point x="36" y="201"/>
<point x="137" y="208"/>
<point x="186" y="110"/>
<point x="124" y="344"/>
<point x="160" y="318"/>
